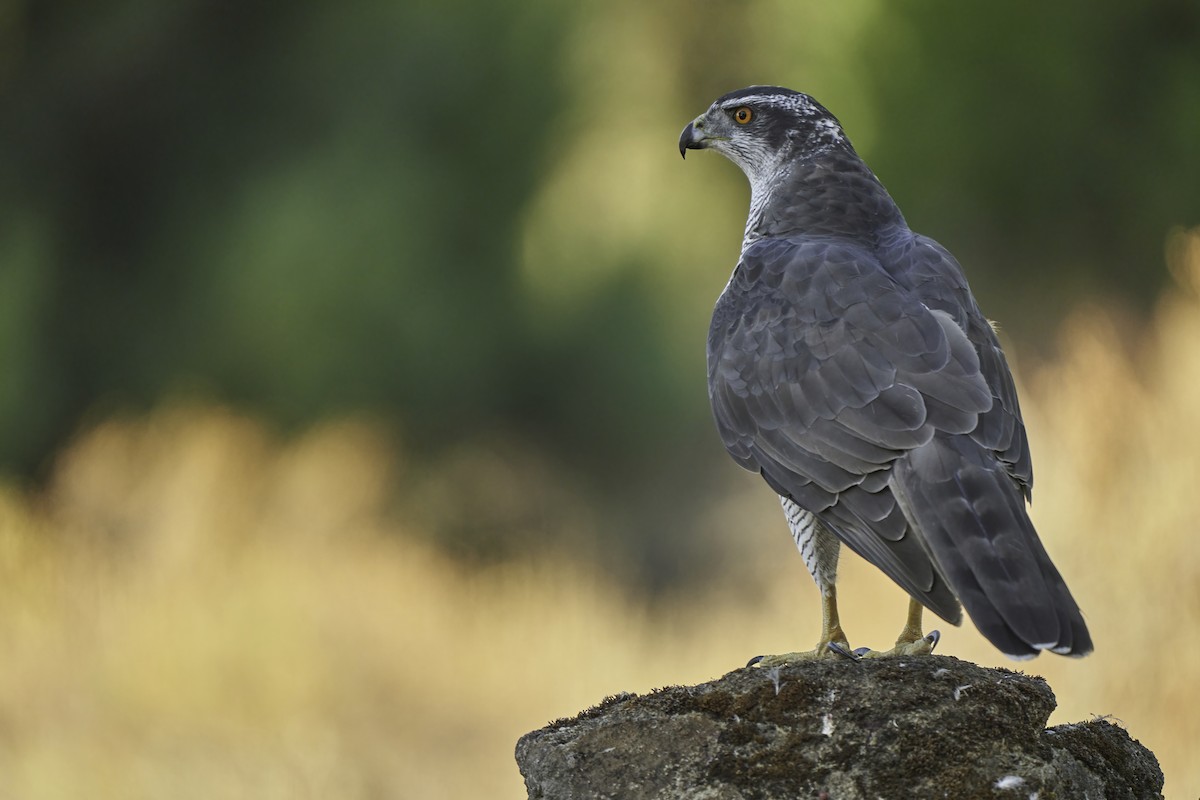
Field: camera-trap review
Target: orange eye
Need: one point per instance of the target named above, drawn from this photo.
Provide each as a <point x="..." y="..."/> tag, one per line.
<point x="743" y="115"/>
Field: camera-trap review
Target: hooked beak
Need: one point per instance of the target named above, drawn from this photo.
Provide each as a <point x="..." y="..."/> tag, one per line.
<point x="691" y="139"/>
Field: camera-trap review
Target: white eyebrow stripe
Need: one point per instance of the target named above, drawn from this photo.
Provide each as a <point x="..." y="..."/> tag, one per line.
<point x="797" y="103"/>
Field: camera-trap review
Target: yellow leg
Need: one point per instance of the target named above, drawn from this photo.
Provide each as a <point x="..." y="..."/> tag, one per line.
<point x="831" y="632"/>
<point x="912" y="640"/>
<point x="831" y="625"/>
<point x="912" y="626"/>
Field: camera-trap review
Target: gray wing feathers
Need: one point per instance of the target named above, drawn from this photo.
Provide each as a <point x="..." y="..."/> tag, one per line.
<point x="933" y="274"/>
<point x="880" y="401"/>
<point x="822" y="375"/>
<point x="850" y="366"/>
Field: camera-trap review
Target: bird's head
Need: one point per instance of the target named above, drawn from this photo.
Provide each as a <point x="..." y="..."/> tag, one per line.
<point x="761" y="127"/>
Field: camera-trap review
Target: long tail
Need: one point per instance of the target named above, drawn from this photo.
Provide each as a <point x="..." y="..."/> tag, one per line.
<point x="972" y="517"/>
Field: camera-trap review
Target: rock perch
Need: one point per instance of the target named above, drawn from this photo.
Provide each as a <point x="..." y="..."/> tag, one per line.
<point x="927" y="726"/>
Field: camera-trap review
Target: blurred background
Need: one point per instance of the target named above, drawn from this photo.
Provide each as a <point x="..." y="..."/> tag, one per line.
<point x="353" y="414"/>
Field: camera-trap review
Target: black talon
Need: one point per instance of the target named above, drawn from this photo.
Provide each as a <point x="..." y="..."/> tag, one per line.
<point x="841" y="651"/>
<point x="754" y="661"/>
<point x="861" y="651"/>
<point x="933" y="637"/>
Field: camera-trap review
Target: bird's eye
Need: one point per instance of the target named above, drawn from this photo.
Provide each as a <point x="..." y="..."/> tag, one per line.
<point x="743" y="115"/>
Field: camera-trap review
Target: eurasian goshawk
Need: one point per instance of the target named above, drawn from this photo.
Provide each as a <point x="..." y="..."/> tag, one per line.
<point x="850" y="366"/>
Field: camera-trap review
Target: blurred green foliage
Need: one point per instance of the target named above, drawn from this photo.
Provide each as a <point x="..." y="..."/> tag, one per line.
<point x="1051" y="146"/>
<point x="294" y="206"/>
<point x="470" y="217"/>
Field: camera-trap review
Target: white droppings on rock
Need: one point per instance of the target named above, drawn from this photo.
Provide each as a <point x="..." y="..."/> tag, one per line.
<point x="958" y="690"/>
<point x="773" y="674"/>
<point x="827" y="725"/>
<point x="1009" y="782"/>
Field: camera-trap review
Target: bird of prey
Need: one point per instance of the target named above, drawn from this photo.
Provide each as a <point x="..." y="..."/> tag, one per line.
<point x="850" y="366"/>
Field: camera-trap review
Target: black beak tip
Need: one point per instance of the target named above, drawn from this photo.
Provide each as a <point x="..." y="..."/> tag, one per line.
<point x="687" y="140"/>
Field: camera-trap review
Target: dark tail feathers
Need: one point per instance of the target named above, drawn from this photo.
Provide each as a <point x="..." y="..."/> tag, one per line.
<point x="971" y="516"/>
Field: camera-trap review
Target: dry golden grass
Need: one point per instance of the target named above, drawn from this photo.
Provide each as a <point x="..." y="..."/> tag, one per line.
<point x="194" y="609"/>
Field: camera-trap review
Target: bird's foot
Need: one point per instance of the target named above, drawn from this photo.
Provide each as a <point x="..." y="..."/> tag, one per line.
<point x="920" y="646"/>
<point x="832" y="649"/>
